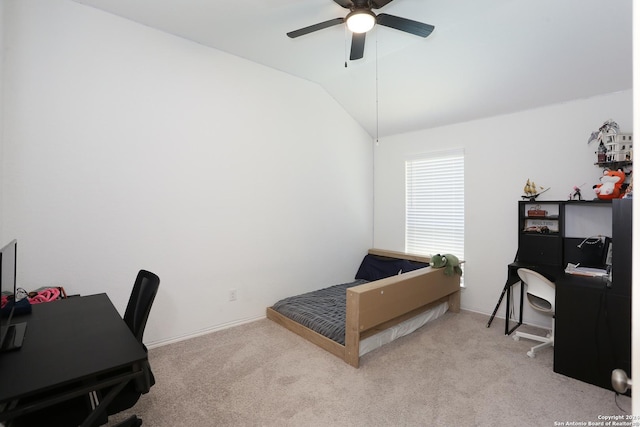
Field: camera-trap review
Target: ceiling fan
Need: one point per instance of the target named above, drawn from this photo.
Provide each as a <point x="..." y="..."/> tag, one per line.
<point x="361" y="19"/>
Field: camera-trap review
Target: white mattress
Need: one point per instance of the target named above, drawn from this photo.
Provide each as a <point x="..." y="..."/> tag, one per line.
<point x="401" y="329"/>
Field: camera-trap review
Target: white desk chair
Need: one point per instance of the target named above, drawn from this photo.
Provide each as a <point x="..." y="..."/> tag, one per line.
<point x="541" y="294"/>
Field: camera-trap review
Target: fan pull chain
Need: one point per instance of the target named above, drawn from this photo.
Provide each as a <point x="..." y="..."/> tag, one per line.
<point x="345" y="45"/>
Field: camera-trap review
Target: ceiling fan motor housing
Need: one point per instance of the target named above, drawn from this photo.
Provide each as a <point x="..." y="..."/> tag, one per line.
<point x="360" y="20"/>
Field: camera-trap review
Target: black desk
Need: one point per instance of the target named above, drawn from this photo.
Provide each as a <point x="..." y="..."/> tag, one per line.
<point x="593" y="329"/>
<point x="550" y="272"/>
<point x="72" y="347"/>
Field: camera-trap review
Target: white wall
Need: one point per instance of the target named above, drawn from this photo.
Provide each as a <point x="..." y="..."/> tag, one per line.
<point x="128" y="148"/>
<point x="547" y="145"/>
<point x="2" y="239"/>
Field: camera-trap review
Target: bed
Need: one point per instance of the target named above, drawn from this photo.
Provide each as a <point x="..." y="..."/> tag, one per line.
<point x="375" y="311"/>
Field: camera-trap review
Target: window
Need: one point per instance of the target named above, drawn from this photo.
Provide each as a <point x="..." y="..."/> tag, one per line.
<point x="435" y="204"/>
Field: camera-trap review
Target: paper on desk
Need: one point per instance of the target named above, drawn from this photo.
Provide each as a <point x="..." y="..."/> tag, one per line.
<point x="584" y="271"/>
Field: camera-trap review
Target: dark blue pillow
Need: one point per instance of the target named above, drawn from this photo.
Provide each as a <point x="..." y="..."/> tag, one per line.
<point x="412" y="265"/>
<point x="375" y="268"/>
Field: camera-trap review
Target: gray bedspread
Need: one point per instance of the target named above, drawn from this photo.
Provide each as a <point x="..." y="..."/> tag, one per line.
<point x="324" y="311"/>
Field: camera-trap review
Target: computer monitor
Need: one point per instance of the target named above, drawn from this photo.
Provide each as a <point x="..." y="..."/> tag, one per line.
<point x="11" y="334"/>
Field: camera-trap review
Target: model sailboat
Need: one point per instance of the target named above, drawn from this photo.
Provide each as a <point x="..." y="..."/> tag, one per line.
<point x="531" y="191"/>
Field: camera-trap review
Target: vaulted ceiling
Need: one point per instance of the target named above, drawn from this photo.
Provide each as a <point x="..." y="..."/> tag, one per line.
<point x="484" y="58"/>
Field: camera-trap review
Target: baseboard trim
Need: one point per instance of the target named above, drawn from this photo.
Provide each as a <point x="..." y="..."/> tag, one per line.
<point x="239" y="322"/>
<point x="500" y="319"/>
<point x="206" y="331"/>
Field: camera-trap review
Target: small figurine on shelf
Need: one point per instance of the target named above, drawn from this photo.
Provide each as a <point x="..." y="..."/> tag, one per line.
<point x="628" y="192"/>
<point x="602" y="153"/>
<point x="531" y="191"/>
<point x="576" y="195"/>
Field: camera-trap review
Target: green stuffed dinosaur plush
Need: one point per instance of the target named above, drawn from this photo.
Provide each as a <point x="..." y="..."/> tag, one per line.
<point x="450" y="263"/>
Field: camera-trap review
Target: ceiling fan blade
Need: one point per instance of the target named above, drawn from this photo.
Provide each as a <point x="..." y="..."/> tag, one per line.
<point x="377" y="4"/>
<point x="344" y="3"/>
<point x="315" y="27"/>
<point x="404" y="24"/>
<point x="357" y="46"/>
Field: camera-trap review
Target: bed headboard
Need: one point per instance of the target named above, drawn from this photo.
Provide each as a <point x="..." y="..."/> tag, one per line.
<point x="375" y="266"/>
<point x="379" y="304"/>
<point x="400" y="255"/>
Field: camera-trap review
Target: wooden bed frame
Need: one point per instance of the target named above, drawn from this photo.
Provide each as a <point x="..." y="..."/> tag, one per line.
<point x="378" y="305"/>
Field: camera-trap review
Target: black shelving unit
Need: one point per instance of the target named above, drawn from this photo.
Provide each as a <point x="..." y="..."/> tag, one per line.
<point x="541" y="228"/>
<point x="593" y="315"/>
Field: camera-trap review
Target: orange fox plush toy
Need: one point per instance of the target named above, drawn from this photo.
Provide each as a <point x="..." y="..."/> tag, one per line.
<point x="610" y="186"/>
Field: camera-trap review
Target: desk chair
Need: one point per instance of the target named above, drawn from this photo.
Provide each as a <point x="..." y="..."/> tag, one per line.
<point x="144" y="292"/>
<point x="541" y="295"/>
<point x="136" y="314"/>
<point x="73" y="412"/>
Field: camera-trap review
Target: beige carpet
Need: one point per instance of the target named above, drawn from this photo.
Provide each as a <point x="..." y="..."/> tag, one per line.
<point x="452" y="372"/>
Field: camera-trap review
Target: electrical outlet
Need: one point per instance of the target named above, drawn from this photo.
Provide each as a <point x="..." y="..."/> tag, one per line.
<point x="233" y="294"/>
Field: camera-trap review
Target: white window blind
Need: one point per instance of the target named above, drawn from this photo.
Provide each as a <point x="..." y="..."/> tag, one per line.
<point x="435" y="204"/>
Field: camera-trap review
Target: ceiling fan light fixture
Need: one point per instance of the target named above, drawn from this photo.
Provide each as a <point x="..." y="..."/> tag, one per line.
<point x="360" y="20"/>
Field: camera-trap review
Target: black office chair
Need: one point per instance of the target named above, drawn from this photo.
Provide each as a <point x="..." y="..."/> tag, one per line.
<point x="144" y="292"/>
<point x="135" y="316"/>
<point x="74" y="411"/>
